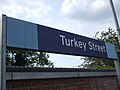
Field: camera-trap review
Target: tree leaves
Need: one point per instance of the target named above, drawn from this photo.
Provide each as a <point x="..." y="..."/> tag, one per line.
<point x="20" y="57"/>
<point x="92" y="62"/>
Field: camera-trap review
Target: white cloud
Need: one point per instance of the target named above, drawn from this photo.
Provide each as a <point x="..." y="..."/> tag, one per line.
<point x="27" y="9"/>
<point x="90" y="15"/>
<point x="86" y="10"/>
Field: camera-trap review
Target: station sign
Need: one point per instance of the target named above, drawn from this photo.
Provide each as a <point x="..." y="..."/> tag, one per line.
<point x="27" y="35"/>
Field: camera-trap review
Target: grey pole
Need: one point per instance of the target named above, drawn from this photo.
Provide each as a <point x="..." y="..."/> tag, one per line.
<point x="3" y="52"/>
<point x="117" y="63"/>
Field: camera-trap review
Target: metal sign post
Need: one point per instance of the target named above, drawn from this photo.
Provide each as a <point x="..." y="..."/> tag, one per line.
<point x="3" y="53"/>
<point x="117" y="63"/>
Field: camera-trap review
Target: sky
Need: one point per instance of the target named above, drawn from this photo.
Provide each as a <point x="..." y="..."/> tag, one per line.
<point x="82" y="17"/>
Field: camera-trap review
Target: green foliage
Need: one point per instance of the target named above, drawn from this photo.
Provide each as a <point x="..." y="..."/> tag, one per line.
<point x="18" y="57"/>
<point x="92" y="62"/>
